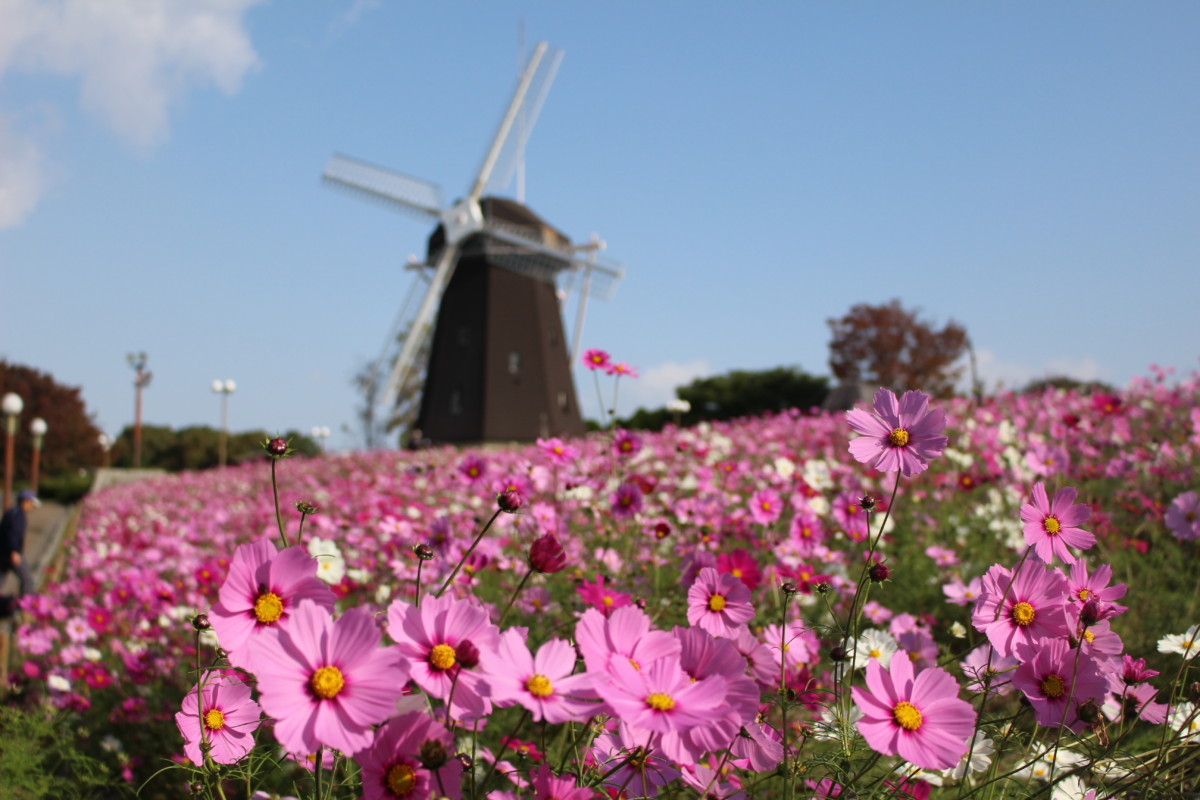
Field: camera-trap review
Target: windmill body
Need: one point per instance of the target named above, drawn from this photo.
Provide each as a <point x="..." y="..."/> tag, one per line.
<point x="499" y="363"/>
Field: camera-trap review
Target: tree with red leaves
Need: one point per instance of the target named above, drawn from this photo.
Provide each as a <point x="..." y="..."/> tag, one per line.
<point x="72" y="440"/>
<point x="889" y="346"/>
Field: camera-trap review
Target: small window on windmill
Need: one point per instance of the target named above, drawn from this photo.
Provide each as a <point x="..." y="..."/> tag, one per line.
<point x="562" y="402"/>
<point x="456" y="406"/>
<point x="464" y="336"/>
<point x="514" y="363"/>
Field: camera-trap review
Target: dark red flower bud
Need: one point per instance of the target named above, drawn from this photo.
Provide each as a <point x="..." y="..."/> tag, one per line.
<point x="277" y="446"/>
<point x="790" y="588"/>
<point x="509" y="500"/>
<point x="867" y="502"/>
<point x="662" y="530"/>
<point x="433" y="754"/>
<point x="201" y="623"/>
<point x="423" y="552"/>
<point x="1089" y="712"/>
<point x="879" y="572"/>
<point x="546" y="555"/>
<point x="838" y="654"/>
<point x="466" y="654"/>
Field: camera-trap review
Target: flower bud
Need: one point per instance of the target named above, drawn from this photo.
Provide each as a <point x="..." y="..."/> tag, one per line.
<point x="433" y="754"/>
<point x="277" y="447"/>
<point x="465" y="760"/>
<point x="789" y="588"/>
<point x="509" y="501"/>
<point x="466" y="654"/>
<point x="307" y="509"/>
<point x="546" y="555"/>
<point x="423" y="552"/>
<point x="1089" y="712"/>
<point x="879" y="572"/>
<point x="1193" y="691"/>
<point x="838" y="654"/>
<point x="200" y="622"/>
<point x="867" y="503"/>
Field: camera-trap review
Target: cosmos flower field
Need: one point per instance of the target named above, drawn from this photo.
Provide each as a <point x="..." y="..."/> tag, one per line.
<point x="954" y="599"/>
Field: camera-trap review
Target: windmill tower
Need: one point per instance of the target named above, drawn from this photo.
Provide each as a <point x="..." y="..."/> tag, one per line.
<point x="497" y="274"/>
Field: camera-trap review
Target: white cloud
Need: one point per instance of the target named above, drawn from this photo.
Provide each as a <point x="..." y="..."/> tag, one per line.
<point x="995" y="373"/>
<point x="655" y="386"/>
<point x="133" y="60"/>
<point x="351" y="16"/>
<point x="22" y="178"/>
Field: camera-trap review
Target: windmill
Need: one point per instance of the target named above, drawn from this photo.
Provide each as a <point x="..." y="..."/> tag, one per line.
<point x="496" y="275"/>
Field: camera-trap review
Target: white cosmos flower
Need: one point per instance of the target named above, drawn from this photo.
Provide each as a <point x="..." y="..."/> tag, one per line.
<point x="331" y="567"/>
<point x="1185" y="644"/>
<point x="1184" y="719"/>
<point x="977" y="758"/>
<point x="874" y="644"/>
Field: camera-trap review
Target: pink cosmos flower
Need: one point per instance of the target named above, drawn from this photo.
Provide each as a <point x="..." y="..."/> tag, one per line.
<point x="559" y="452"/>
<point x="1050" y="526"/>
<point x="631" y="769"/>
<point x="444" y="641"/>
<point x="472" y="469"/>
<point x="412" y="757"/>
<point x="600" y="597"/>
<point x="263" y="589"/>
<point x="227" y="716"/>
<point x="742" y="566"/>
<point x="661" y="698"/>
<point x="548" y="787"/>
<point x="1047" y="460"/>
<point x="1057" y="680"/>
<point x="596" y="359"/>
<point x="626" y="443"/>
<point x="619" y="369"/>
<point x="627" y="500"/>
<point x="544" y="684"/>
<point x="329" y="682"/>
<point x="765" y="507"/>
<point x="902" y="435"/>
<point x="806" y="532"/>
<point x="720" y="604"/>
<point x="624" y="633"/>
<point x="920" y="719"/>
<point x="985" y="669"/>
<point x="1183" y="517"/>
<point x="703" y="656"/>
<point x="1030" y="612"/>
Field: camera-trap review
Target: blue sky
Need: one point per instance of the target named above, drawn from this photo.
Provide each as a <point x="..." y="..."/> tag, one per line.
<point x="1027" y="169"/>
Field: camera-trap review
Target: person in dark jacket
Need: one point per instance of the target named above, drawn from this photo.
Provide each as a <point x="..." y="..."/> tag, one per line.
<point x="12" y="541"/>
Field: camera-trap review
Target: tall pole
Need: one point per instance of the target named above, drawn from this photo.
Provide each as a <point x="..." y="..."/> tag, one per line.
<point x="140" y="381"/>
<point x="223" y="388"/>
<point x="12" y="405"/>
<point x="38" y="428"/>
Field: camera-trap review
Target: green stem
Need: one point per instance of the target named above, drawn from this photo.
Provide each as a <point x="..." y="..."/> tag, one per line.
<point x="513" y="599"/>
<point x="503" y="746"/>
<point x="275" y="492"/>
<point x="467" y="554"/>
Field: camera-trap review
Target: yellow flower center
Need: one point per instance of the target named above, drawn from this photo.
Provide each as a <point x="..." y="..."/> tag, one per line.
<point x="1023" y="614"/>
<point x="875" y="654"/>
<point x="1084" y="594"/>
<point x="907" y="715"/>
<point x="401" y="779"/>
<point x="635" y="665"/>
<point x="735" y="572"/>
<point x="539" y="686"/>
<point x="766" y="506"/>
<point x="1053" y="687"/>
<point x="442" y="657"/>
<point x="268" y="608"/>
<point x="898" y="438"/>
<point x="214" y="720"/>
<point x="327" y="682"/>
<point x="716" y="603"/>
<point x="1089" y="637"/>
<point x="660" y="702"/>
<point x="608" y="601"/>
<point x="1052" y="525"/>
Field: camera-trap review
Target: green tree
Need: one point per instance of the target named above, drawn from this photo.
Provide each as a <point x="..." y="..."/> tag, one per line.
<point x="196" y="447"/>
<point x="740" y="393"/>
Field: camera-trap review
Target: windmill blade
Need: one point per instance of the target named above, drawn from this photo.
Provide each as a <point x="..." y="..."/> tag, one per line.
<point x="596" y="276"/>
<point x="512" y="154"/>
<point x="506" y="123"/>
<point x="422" y="324"/>
<point x="393" y="189"/>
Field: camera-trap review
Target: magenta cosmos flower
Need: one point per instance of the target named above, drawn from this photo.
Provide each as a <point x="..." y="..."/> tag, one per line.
<point x="1052" y="526"/>
<point x="262" y="590"/>
<point x="329" y="682"/>
<point x="1183" y="517"/>
<point x="660" y="698"/>
<point x="226" y="717"/>
<point x="596" y="359"/>
<point x="444" y="641"/>
<point x="720" y="604"/>
<point x="1025" y="614"/>
<point x="1057" y="680"/>
<point x="412" y="758"/>
<point x="920" y="719"/>
<point x="542" y="683"/>
<point x="901" y="435"/>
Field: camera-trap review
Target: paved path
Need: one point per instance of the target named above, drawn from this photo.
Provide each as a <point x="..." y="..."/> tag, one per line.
<point x="43" y="532"/>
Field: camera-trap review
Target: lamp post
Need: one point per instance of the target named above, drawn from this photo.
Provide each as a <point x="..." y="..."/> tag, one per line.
<point x="38" y="427"/>
<point x="106" y="443"/>
<point x="320" y="433"/>
<point x="140" y="381"/>
<point x="223" y="388"/>
<point x="12" y="405"/>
